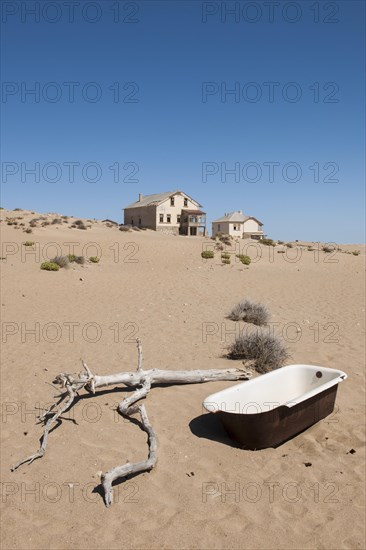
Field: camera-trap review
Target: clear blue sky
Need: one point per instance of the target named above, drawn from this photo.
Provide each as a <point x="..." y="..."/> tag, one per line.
<point x="169" y="123"/>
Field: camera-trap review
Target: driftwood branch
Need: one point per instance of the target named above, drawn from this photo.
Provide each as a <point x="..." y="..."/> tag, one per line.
<point x="142" y="380"/>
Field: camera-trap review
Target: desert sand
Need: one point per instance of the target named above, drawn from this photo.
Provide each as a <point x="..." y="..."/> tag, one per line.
<point x="205" y="492"/>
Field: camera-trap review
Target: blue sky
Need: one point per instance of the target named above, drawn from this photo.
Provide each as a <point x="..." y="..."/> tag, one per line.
<point x="149" y="96"/>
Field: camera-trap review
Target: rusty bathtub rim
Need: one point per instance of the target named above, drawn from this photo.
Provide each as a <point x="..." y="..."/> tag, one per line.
<point x="213" y="399"/>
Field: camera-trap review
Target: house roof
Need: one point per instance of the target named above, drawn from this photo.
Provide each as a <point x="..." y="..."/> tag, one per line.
<point x="156" y="199"/>
<point x="235" y="217"/>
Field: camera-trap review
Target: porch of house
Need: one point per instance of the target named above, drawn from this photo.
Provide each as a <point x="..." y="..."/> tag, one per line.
<point x="193" y="223"/>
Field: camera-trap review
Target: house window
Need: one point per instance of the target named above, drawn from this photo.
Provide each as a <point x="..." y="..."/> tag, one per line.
<point x="161" y="218"/>
<point x="178" y="218"/>
<point x="218" y="227"/>
<point x="131" y="221"/>
<point x="171" y="201"/>
<point x="168" y="218"/>
<point x="139" y="221"/>
<point x="185" y="202"/>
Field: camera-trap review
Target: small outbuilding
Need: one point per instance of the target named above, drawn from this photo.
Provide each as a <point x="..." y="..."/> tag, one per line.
<point x="238" y="224"/>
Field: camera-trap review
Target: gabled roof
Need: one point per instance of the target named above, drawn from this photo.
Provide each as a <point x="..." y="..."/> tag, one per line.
<point x="157" y="198"/>
<point x="236" y="217"/>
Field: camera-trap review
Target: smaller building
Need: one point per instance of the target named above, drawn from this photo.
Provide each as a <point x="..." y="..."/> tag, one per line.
<point x="238" y="224"/>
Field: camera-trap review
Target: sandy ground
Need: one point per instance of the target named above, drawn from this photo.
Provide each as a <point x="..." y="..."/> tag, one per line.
<point x="204" y="492"/>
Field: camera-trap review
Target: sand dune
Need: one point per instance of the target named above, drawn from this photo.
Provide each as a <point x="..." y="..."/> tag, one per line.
<point x="204" y="492"/>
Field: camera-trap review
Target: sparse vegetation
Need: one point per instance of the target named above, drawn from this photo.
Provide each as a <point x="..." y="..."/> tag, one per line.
<point x="289" y="245"/>
<point x="207" y="254"/>
<point x="125" y="228"/>
<point x="268" y="242"/>
<point x="327" y="249"/>
<point x="76" y="259"/>
<point x="56" y="221"/>
<point x="280" y="242"/>
<point x="62" y="261"/>
<point x="28" y="230"/>
<point x="80" y="260"/>
<point x="244" y="259"/>
<point x="250" y="312"/>
<point x="50" y="266"/>
<point x="356" y="252"/>
<point x="29" y="243"/>
<point x="226" y="260"/>
<point x="219" y="246"/>
<point x="265" y="351"/>
<point x="94" y="259"/>
<point x="18" y="210"/>
<point x="224" y="238"/>
<point x="225" y="256"/>
<point x="79" y="224"/>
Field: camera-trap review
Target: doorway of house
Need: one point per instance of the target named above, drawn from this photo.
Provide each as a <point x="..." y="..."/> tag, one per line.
<point x="193" y="231"/>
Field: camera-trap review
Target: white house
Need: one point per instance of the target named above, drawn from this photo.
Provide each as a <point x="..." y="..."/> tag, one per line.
<point x="171" y="212"/>
<point x="238" y="224"/>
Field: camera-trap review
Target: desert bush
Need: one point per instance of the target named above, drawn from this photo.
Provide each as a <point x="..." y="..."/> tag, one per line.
<point x="281" y="252"/>
<point x="244" y="259"/>
<point x="219" y="246"/>
<point x="226" y="260"/>
<point x="327" y="249"/>
<point x="266" y="351"/>
<point x="225" y="256"/>
<point x="94" y="259"/>
<point x="79" y="222"/>
<point x="355" y="252"/>
<point x="33" y="223"/>
<point x="268" y="242"/>
<point x="50" y="266"/>
<point x="207" y="254"/>
<point x="280" y="242"/>
<point x="247" y="311"/>
<point x="76" y="259"/>
<point x="64" y="217"/>
<point x="56" y="220"/>
<point x="289" y="245"/>
<point x="29" y="243"/>
<point x="82" y="226"/>
<point x="18" y="210"/>
<point x="311" y="248"/>
<point x="226" y="239"/>
<point x="28" y="230"/>
<point x="45" y="223"/>
<point x="125" y="227"/>
<point x="62" y="261"/>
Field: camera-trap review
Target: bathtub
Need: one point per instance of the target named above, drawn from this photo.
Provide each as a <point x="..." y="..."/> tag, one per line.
<point x="274" y="407"/>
